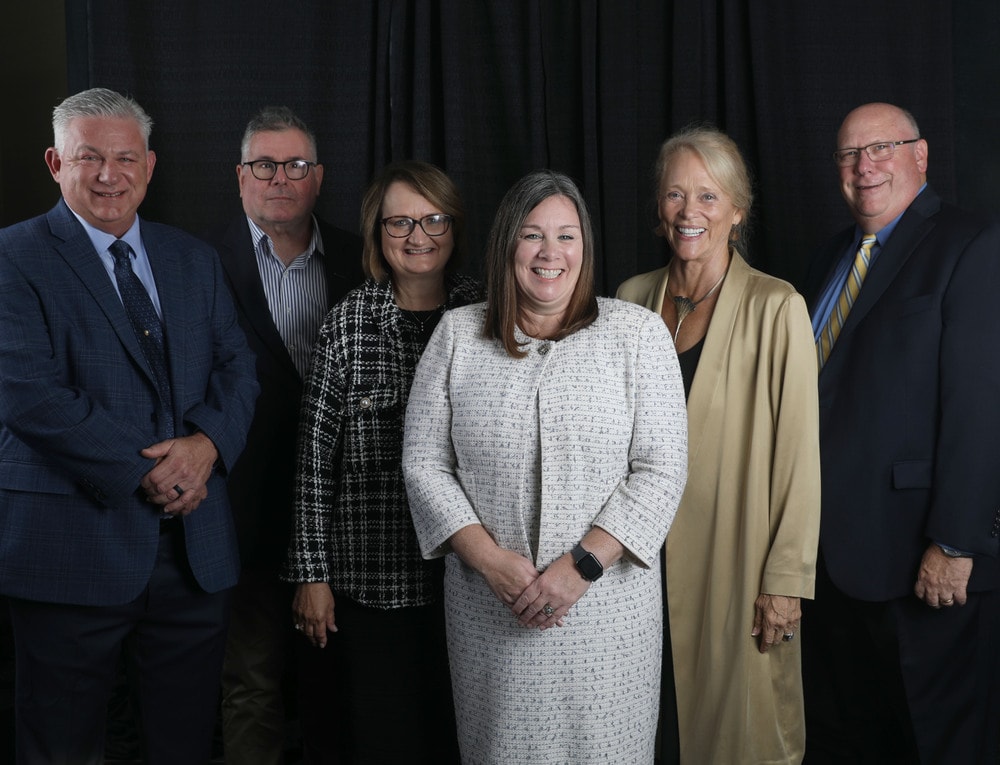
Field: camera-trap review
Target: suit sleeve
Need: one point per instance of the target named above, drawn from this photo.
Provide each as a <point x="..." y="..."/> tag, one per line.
<point x="966" y="497"/>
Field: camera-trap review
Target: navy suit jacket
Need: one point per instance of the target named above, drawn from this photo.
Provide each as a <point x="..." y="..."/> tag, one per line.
<point x="78" y="403"/>
<point x="910" y="405"/>
<point x="261" y="485"/>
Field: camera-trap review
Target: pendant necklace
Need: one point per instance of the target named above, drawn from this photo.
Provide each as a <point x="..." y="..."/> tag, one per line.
<point x="685" y="305"/>
<point x="422" y="321"/>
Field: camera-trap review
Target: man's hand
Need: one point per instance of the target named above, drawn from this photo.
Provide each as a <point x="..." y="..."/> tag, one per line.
<point x="178" y="482"/>
<point x="942" y="579"/>
<point x="775" y="616"/>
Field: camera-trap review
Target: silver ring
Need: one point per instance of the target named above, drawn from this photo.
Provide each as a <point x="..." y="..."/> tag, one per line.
<point x="178" y="489"/>
<point x="788" y="636"/>
<point x="548" y="610"/>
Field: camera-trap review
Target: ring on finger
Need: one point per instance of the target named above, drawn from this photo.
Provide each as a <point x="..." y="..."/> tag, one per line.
<point x="548" y="610"/>
<point x="788" y="636"/>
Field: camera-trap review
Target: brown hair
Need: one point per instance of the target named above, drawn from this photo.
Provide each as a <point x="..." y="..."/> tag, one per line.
<point x="428" y="181"/>
<point x="502" y="309"/>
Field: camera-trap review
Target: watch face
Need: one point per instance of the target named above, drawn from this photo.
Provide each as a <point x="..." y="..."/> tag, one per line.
<point x="590" y="567"/>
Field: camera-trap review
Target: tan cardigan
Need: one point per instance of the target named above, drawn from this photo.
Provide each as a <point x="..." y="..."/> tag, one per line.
<point x="748" y="520"/>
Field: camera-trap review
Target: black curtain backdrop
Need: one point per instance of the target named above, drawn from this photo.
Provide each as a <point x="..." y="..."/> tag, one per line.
<point x="490" y="89"/>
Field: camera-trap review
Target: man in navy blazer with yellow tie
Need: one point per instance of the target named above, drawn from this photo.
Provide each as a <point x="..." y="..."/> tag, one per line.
<point x="900" y="645"/>
<point x="115" y="526"/>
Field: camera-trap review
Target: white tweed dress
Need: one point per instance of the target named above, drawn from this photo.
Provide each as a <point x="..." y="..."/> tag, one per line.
<point x="590" y="430"/>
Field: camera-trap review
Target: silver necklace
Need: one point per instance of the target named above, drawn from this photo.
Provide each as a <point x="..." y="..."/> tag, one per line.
<point x="685" y="305"/>
<point x="423" y="322"/>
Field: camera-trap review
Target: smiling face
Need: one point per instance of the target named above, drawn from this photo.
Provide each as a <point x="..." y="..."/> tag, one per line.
<point x="877" y="192"/>
<point x="696" y="215"/>
<point x="416" y="255"/>
<point x="547" y="260"/>
<point x="103" y="168"/>
<point x="279" y="202"/>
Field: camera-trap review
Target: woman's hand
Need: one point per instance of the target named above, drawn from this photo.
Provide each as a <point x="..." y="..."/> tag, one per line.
<point x="559" y="587"/>
<point x="775" y="618"/>
<point x="312" y="612"/>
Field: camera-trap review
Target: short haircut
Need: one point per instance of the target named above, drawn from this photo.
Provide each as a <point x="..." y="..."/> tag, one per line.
<point x="431" y="183"/>
<point x="97" y="102"/>
<point x="724" y="163"/>
<point x="502" y="305"/>
<point x="275" y="119"/>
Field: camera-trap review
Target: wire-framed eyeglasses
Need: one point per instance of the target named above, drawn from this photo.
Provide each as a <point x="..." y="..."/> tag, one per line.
<point x="400" y="226"/>
<point x="265" y="169"/>
<point x="877" y="152"/>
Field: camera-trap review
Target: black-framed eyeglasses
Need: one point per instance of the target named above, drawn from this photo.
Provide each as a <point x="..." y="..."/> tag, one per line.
<point x="877" y="152"/>
<point x="265" y="169"/>
<point x="399" y="226"/>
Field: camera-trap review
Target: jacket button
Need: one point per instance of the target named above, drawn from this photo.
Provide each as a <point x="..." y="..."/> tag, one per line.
<point x="365" y="403"/>
<point x="543" y="349"/>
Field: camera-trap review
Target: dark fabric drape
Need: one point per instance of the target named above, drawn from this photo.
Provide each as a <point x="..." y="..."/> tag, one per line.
<point x="490" y="89"/>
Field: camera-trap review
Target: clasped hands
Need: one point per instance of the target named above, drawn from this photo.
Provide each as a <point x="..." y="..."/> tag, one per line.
<point x="517" y="584"/>
<point x="179" y="481"/>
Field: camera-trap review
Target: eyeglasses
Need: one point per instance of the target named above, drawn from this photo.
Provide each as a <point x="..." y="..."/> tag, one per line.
<point x="877" y="152"/>
<point x="399" y="226"/>
<point x="265" y="169"/>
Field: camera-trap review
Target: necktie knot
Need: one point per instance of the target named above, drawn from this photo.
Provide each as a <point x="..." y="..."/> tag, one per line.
<point x="122" y="252"/>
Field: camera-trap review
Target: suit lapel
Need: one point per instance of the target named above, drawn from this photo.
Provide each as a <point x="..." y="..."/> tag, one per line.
<point x="912" y="227"/>
<point x="169" y="277"/>
<point x="240" y="263"/>
<point x="77" y="250"/>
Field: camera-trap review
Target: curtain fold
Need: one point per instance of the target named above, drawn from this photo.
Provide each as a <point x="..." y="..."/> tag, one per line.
<point x="491" y="89"/>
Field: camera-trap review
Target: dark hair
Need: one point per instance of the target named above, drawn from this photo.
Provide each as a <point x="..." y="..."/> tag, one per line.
<point x="724" y="163"/>
<point x="428" y="181"/>
<point x="97" y="102"/>
<point x="275" y="119"/>
<point x="502" y="308"/>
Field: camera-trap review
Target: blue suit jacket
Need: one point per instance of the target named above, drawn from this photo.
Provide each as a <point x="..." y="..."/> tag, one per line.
<point x="910" y="405"/>
<point x="77" y="404"/>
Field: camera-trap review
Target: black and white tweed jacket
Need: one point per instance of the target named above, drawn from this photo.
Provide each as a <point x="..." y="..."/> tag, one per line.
<point x="352" y="525"/>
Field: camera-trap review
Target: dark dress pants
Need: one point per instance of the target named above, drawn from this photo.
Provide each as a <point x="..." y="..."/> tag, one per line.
<point x="67" y="659"/>
<point x="899" y="681"/>
<point x="393" y="685"/>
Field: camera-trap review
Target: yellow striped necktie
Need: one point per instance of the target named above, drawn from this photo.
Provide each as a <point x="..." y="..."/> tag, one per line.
<point x="845" y="302"/>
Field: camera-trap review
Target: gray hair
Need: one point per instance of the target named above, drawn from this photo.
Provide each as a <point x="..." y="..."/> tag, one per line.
<point x="276" y="119"/>
<point x="98" y="102"/>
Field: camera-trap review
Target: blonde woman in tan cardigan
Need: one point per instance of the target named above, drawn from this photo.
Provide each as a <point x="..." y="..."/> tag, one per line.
<point x="742" y="550"/>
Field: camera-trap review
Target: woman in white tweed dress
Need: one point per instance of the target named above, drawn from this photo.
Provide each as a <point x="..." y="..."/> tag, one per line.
<point x="545" y="455"/>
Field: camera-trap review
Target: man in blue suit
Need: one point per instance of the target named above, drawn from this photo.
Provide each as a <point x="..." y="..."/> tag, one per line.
<point x="900" y="645"/>
<point x="126" y="392"/>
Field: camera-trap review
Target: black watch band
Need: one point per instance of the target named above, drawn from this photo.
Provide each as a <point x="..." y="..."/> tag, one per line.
<point x="587" y="564"/>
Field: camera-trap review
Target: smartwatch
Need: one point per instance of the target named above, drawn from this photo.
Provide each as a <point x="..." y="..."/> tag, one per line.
<point x="587" y="564"/>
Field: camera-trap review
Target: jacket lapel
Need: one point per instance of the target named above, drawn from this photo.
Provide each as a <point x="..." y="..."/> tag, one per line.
<point x="710" y="376"/>
<point x="240" y="263"/>
<point x="77" y="250"/>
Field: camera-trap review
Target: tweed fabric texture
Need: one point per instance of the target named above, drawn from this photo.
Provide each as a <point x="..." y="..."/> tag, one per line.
<point x="590" y="430"/>
<point x="352" y="526"/>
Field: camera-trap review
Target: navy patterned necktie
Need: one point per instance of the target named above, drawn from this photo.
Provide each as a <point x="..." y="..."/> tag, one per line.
<point x="145" y="323"/>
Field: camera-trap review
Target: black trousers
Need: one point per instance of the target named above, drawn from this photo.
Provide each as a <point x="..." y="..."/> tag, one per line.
<point x="899" y="682"/>
<point x="393" y="685"/>
<point x="67" y="660"/>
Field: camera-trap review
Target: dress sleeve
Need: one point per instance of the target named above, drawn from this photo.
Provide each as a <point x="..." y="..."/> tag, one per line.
<point x="790" y="567"/>
<point x="437" y="500"/>
<point x="640" y="510"/>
